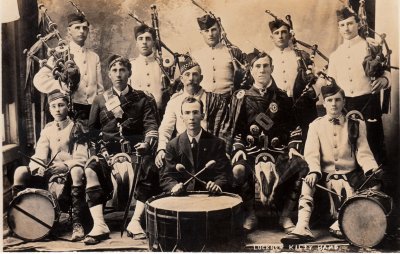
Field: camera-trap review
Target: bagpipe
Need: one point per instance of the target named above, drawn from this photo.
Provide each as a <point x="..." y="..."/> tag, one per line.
<point x="305" y="64"/>
<point x="64" y="69"/>
<point x="167" y="64"/>
<point x="241" y="72"/>
<point x="377" y="60"/>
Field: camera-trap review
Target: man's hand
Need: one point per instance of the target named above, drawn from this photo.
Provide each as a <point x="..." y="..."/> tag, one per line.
<point x="239" y="155"/>
<point x="213" y="188"/>
<point x="178" y="188"/>
<point x="293" y="151"/>
<point x="379" y="83"/>
<point x="142" y="148"/>
<point x="160" y="158"/>
<point x="311" y="179"/>
<point x="58" y="168"/>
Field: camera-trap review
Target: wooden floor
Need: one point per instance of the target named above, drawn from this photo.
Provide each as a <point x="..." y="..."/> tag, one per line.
<point x="265" y="239"/>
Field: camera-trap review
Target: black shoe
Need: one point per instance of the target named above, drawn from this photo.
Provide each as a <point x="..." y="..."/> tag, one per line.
<point x="95" y="239"/>
<point x="293" y="238"/>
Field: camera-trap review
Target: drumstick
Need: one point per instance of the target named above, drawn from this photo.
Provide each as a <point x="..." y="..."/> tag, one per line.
<point x="325" y="189"/>
<point x="369" y="178"/>
<point x="51" y="161"/>
<point x="179" y="167"/>
<point x="32" y="159"/>
<point x="208" y="165"/>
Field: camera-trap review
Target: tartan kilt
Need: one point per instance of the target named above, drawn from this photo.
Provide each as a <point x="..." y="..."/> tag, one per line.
<point x="217" y="112"/>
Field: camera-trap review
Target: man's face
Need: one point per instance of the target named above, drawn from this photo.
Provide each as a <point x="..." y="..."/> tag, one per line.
<point x="145" y="43"/>
<point x="192" y="116"/>
<point x="59" y="109"/>
<point x="79" y="32"/>
<point x="261" y="71"/>
<point x="281" y="37"/>
<point x="211" y="35"/>
<point x="334" y="104"/>
<point x="348" y="28"/>
<point x="119" y="76"/>
<point x="191" y="78"/>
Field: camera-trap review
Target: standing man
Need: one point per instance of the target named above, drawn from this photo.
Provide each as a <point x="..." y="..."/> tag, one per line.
<point x="127" y="120"/>
<point x="333" y="156"/>
<point x="191" y="78"/>
<point x="193" y="149"/>
<point x="264" y="136"/>
<point x="290" y="74"/>
<point x="69" y="158"/>
<point x="146" y="68"/>
<point x="218" y="62"/>
<point x="362" y="93"/>
<point x="90" y="82"/>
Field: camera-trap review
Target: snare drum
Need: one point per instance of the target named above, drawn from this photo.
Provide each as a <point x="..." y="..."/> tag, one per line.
<point x="362" y="217"/>
<point x="191" y="222"/>
<point x="32" y="214"/>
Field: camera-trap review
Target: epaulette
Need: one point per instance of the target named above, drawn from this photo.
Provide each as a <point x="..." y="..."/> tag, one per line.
<point x="49" y="124"/>
<point x="148" y="94"/>
<point x="132" y="59"/>
<point x="317" y="119"/>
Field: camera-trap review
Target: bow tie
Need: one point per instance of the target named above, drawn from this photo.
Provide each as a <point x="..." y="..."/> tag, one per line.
<point x="263" y="91"/>
<point x="334" y="121"/>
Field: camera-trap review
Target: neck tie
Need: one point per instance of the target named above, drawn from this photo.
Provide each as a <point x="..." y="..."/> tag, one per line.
<point x="335" y="121"/>
<point x="194" y="147"/>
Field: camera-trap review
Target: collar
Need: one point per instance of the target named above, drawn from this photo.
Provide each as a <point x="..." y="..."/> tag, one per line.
<point x="197" y="137"/>
<point x="62" y="124"/>
<point x="149" y="58"/>
<point x="218" y="46"/>
<point x="125" y="91"/>
<point x="352" y="42"/>
<point x="285" y="50"/>
<point x="76" y="48"/>
<point x="196" y="95"/>
<point x="262" y="90"/>
<point x="340" y="118"/>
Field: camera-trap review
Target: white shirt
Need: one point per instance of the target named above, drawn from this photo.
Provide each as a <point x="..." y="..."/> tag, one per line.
<point x="197" y="137"/>
<point x="146" y="76"/>
<point x="216" y="68"/>
<point x="91" y="82"/>
<point x="345" y="66"/>
<point x="285" y="68"/>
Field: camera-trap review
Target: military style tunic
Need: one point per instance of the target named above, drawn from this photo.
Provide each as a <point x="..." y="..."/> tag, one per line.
<point x="91" y="82"/>
<point x="217" y="68"/>
<point x="327" y="148"/>
<point x="55" y="138"/>
<point x="146" y="76"/>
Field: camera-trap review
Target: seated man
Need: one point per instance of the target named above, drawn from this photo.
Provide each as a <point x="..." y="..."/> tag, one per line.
<point x="332" y="154"/>
<point x="265" y="137"/>
<point x="127" y="119"/>
<point x="69" y="159"/>
<point x="193" y="149"/>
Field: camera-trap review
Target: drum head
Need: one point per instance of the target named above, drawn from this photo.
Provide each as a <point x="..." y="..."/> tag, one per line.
<point x="31" y="216"/>
<point x="363" y="222"/>
<point x="196" y="202"/>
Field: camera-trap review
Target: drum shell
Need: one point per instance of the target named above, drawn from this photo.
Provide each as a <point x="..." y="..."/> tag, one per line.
<point x="47" y="210"/>
<point x="191" y="230"/>
<point x="368" y="200"/>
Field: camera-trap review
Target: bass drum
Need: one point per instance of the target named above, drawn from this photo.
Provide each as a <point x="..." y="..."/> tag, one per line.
<point x="191" y="222"/>
<point x="32" y="214"/>
<point x="363" y="218"/>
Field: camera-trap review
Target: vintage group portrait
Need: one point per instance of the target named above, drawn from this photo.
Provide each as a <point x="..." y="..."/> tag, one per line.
<point x="200" y="125"/>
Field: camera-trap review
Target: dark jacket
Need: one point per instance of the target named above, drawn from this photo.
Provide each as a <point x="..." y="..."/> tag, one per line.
<point x="209" y="148"/>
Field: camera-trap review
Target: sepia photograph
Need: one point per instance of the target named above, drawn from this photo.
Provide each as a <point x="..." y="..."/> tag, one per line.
<point x="200" y="126"/>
